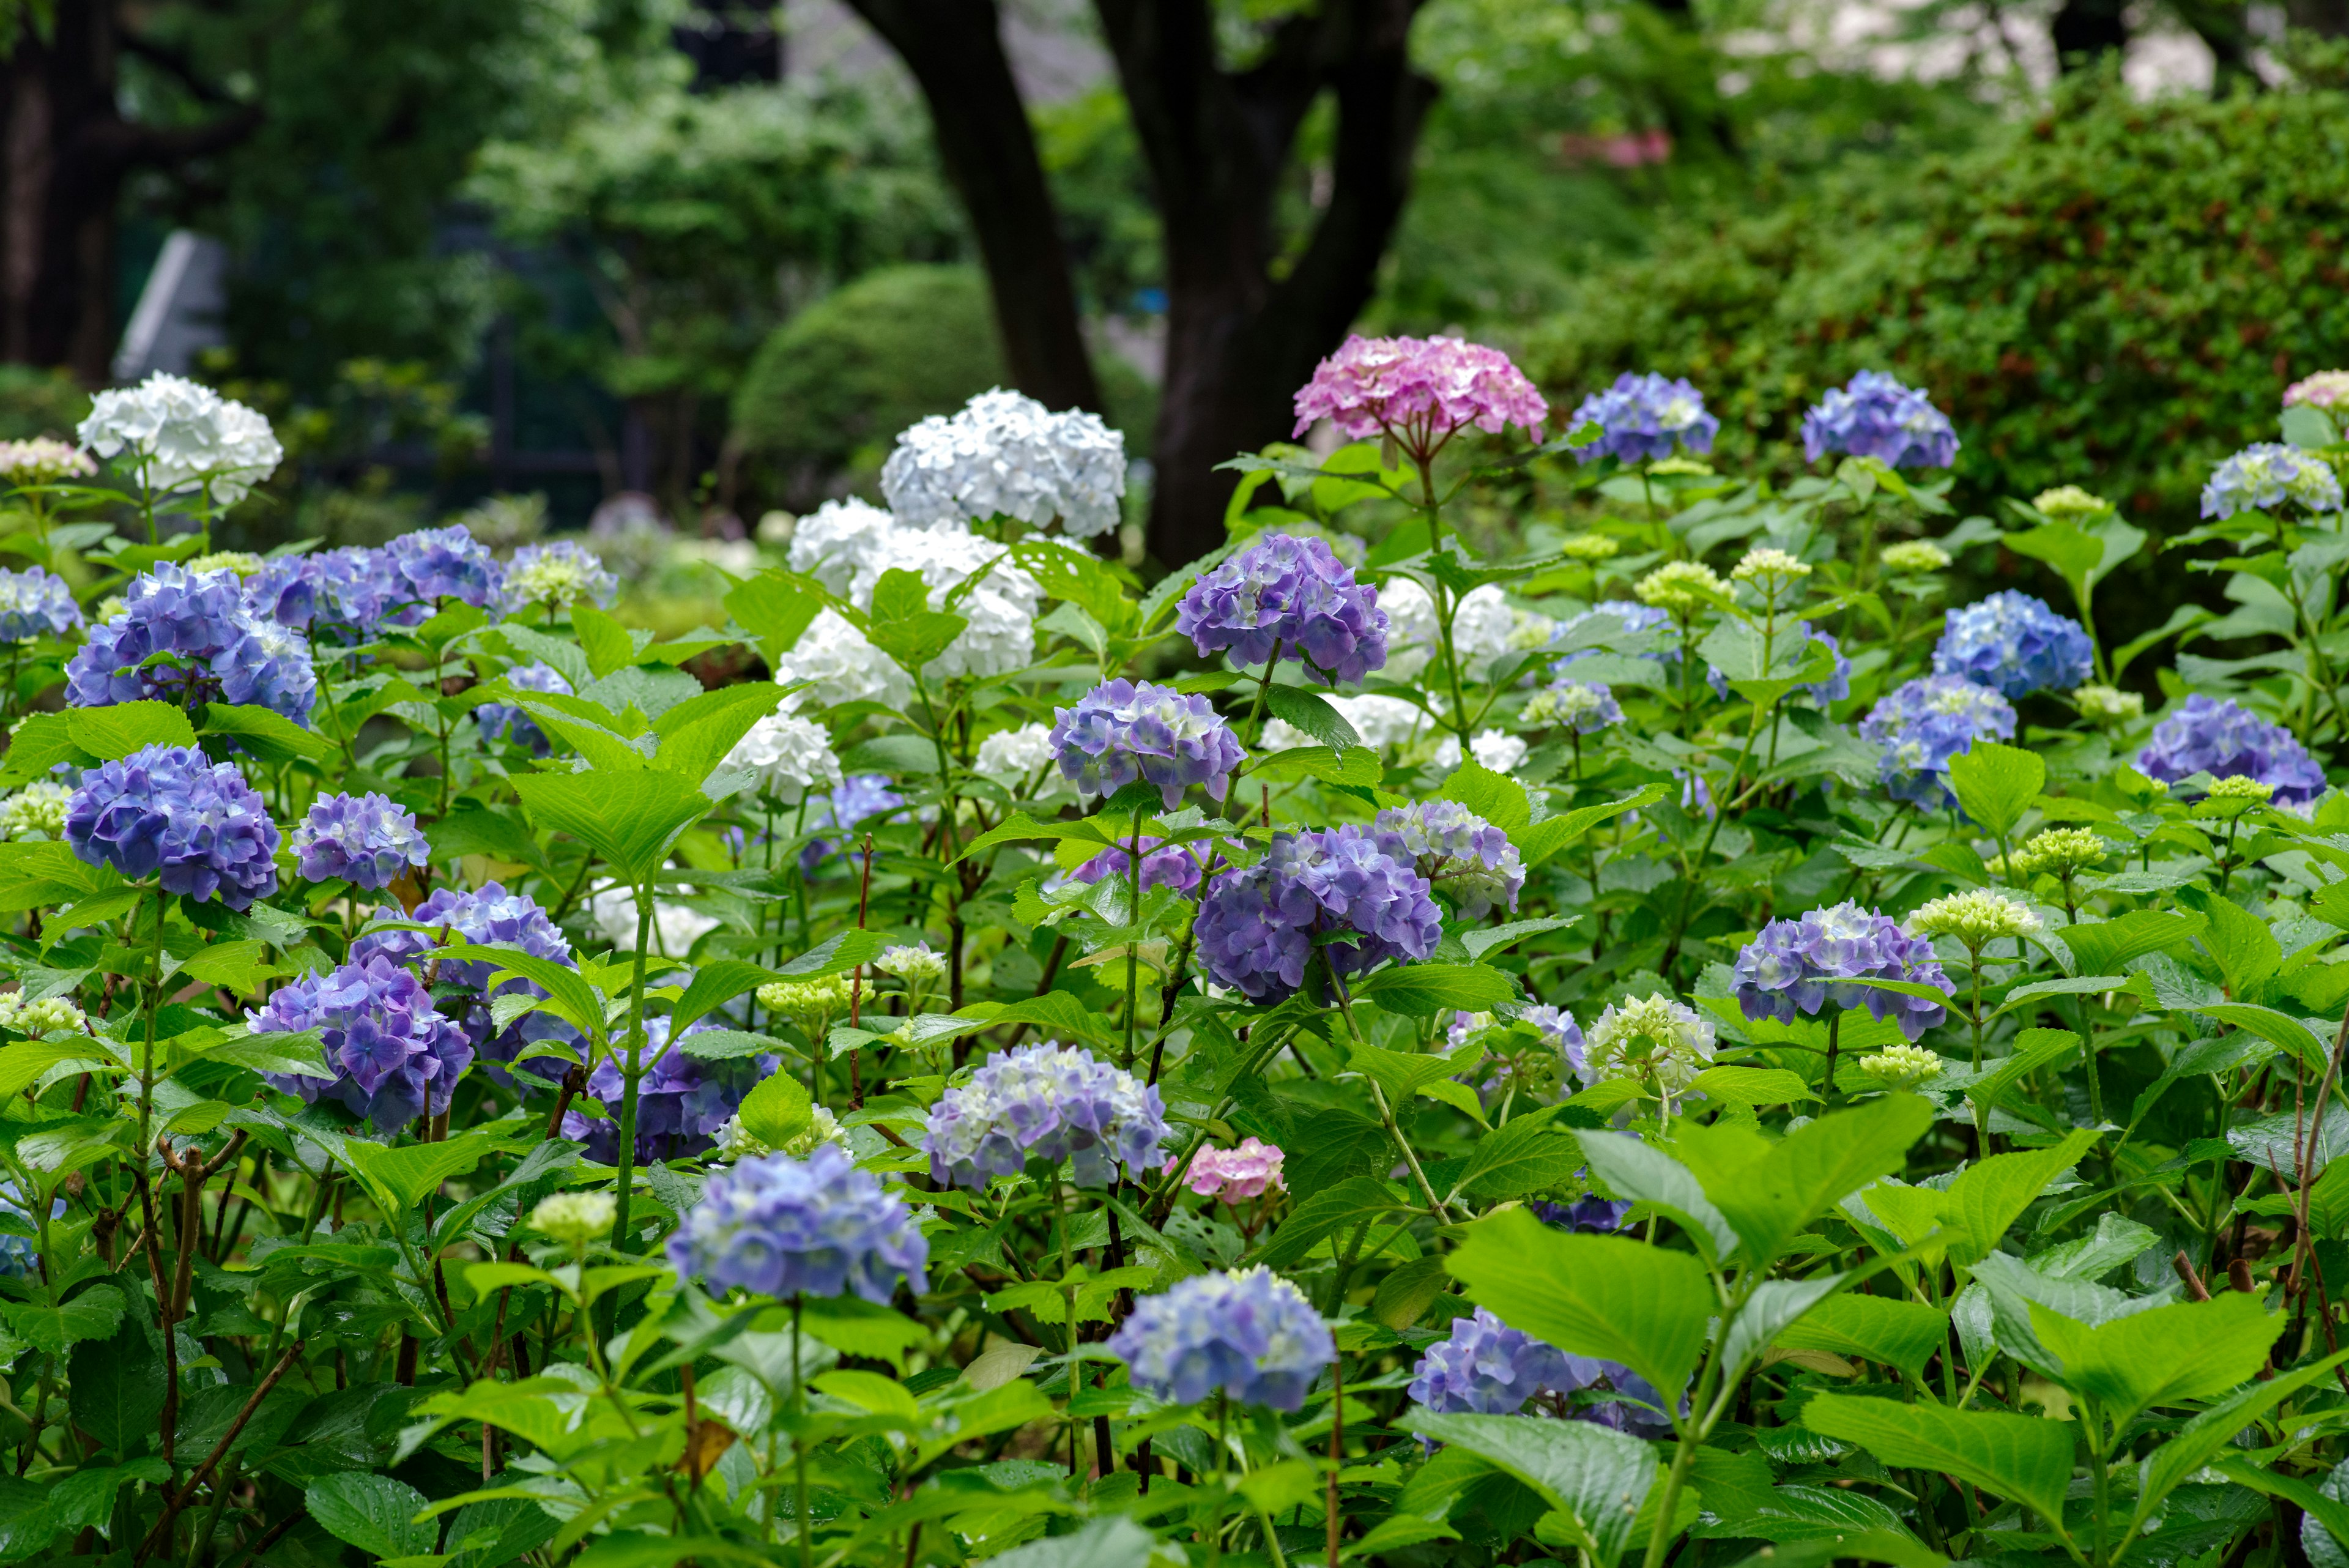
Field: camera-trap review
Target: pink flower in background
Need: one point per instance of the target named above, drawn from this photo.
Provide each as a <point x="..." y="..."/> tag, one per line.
<point x="1232" y="1174"/>
<point x="2325" y="390"/>
<point x="1420" y="390"/>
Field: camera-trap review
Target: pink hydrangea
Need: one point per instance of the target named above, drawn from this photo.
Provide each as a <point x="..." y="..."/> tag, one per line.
<point x="1232" y="1174"/>
<point x="2325" y="390"/>
<point x="1419" y="391"/>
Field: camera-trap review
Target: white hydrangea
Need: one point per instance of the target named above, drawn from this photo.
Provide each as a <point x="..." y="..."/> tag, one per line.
<point x="1001" y="609"/>
<point x="791" y="755"/>
<point x="1383" y="722"/>
<point x="1656" y="1040"/>
<point x="1008" y="455"/>
<point x="1014" y="755"/>
<point x="915" y="965"/>
<point x="1493" y="749"/>
<point x="675" y="930"/>
<point x="38" y="808"/>
<point x="844" y="667"/>
<point x="837" y="542"/>
<point x="1484" y="626"/>
<point x="184" y="436"/>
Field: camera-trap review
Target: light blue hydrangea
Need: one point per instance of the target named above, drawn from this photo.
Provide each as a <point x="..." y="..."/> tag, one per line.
<point x="782" y="1227"/>
<point x="1248" y="1333"/>
<point x="2266" y="476"/>
<point x="2015" y="645"/>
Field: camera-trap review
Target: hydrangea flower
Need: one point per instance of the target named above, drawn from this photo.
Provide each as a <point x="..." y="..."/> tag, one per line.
<point x="345" y="596"/>
<point x="394" y="1056"/>
<point x="2070" y="504"/>
<point x="179" y="435"/>
<point x="1496" y="750"/>
<point x="1015" y="756"/>
<point x="1287" y="599"/>
<point x="219" y="650"/>
<point x="1419" y="391"/>
<point x="917" y="965"/>
<point x="791" y="756"/>
<point x="1587" y="1215"/>
<point x="1452" y="847"/>
<point x="1121" y="730"/>
<point x="511" y="721"/>
<point x="2063" y="852"/>
<point x="172" y="813"/>
<point x="1585" y="707"/>
<point x="36" y="811"/>
<point x="1974" y="917"/>
<point x="1654" y="1040"/>
<point x="2015" y="645"/>
<point x="811" y="1004"/>
<point x="840" y="665"/>
<point x="44" y="459"/>
<point x="1923" y="723"/>
<point x="1007" y="455"/>
<point x="1247" y="1333"/>
<point x="737" y="1142"/>
<point x="42" y="1017"/>
<point x="1000" y="636"/>
<point x="613" y="911"/>
<point x="34" y="603"/>
<point x="682" y="1101"/>
<point x="576" y="1219"/>
<point x="1680" y="587"/>
<point x="1228" y="1175"/>
<point x="1874" y="415"/>
<point x="2105" y="705"/>
<point x="818" y="1227"/>
<point x="1914" y="555"/>
<point x="1828" y="956"/>
<point x="1486" y="626"/>
<point x="449" y="563"/>
<point x="558" y="574"/>
<point x="1048" y="1102"/>
<point x="839" y="541"/>
<point x="1168" y="867"/>
<point x="1901" y="1066"/>
<point x="1493" y="1369"/>
<point x="241" y="564"/>
<point x="1591" y="546"/>
<point x="365" y="839"/>
<point x="1255" y="926"/>
<point x="489" y="916"/>
<point x="2324" y="390"/>
<point x="2212" y="735"/>
<point x="859" y="799"/>
<point x="1642" y="416"/>
<point x="2265" y="475"/>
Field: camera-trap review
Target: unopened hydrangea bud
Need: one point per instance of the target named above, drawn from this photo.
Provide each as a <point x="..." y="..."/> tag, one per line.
<point x="1914" y="555"/>
<point x="241" y="564"/>
<point x="37" y="809"/>
<point x="577" y="1220"/>
<point x="1765" y="562"/>
<point x="806" y="1002"/>
<point x="2069" y="504"/>
<point x="915" y="965"/>
<point x="1682" y="587"/>
<point x="47" y="1016"/>
<point x="1974" y="917"/>
<point x="1901" y="1066"/>
<point x="2064" y="851"/>
<point x="1590" y="546"/>
<point x="2235" y="787"/>
<point x="2106" y="706"/>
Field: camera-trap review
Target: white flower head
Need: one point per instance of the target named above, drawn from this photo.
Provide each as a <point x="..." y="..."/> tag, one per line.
<point x="1013" y="756"/>
<point x="184" y="436"/>
<point x="791" y="755"/>
<point x="1974" y="917"/>
<point x="1008" y="455"/>
<point x="36" y="810"/>
<point x="1484" y="626"/>
<point x="1766" y="561"/>
<point x="1001" y="610"/>
<point x="913" y="965"/>
<point x="1410" y="627"/>
<point x="575" y="1218"/>
<point x="1914" y="555"/>
<point x="1656" y="1040"/>
<point x="675" y="928"/>
<point x="1683" y="588"/>
<point x="843" y="665"/>
<point x="47" y="1016"/>
<point x="1493" y="748"/>
<point x="837" y="542"/>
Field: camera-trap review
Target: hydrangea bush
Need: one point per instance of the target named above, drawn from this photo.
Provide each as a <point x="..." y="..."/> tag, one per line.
<point x="1671" y="1040"/>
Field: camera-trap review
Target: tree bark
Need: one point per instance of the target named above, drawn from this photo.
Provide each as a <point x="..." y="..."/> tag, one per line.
<point x="2085" y="30"/>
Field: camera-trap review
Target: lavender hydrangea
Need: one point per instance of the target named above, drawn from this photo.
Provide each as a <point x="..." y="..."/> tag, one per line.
<point x="1492" y="1369"/>
<point x="1164" y="865"/>
<point x="345" y="596"/>
<point x="395" y="1058"/>
<point x="1828" y="956"/>
<point x="1639" y="418"/>
<point x="491" y="917"/>
<point x="1588" y="1215"/>
<point x="215" y="650"/>
<point x="783" y="1227"/>
<point x="1247" y="1333"/>
<point x="1288" y="598"/>
<point x="1122" y="731"/>
<point x="683" y="1103"/>
<point x="34" y="603"/>
<point x="1456" y="850"/>
<point x="449" y="563"/>
<point x="859" y="799"/>
<point x="365" y="839"/>
<point x="1050" y="1101"/>
<point x="2267" y="474"/>
<point x="2212" y="735"/>
<point x="1923" y="723"/>
<point x="1255" y="926"/>
<point x="511" y="722"/>
<point x="2015" y="645"/>
<point x="1876" y="416"/>
<point x="172" y="813"/>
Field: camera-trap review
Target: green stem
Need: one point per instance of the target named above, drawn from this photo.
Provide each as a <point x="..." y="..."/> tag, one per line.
<point x="154" y="1006"/>
<point x="799" y="1444"/>
<point x="632" y="1073"/>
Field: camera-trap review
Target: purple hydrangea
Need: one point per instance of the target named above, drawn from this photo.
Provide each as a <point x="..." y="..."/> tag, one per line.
<point x="490" y="916"/>
<point x="2266" y="476"/>
<point x="1823" y="693"/>
<point x="1456" y="850"/>
<point x="1642" y="416"/>
<point x="1876" y="416"/>
<point x="557" y="573"/>
<point x="1589" y="1214"/>
<point x="1045" y="1102"/>
<point x="449" y="563"/>
<point x="1167" y="867"/>
<point x="682" y="1101"/>
<point x="1828" y="956"/>
<point x="1286" y="597"/>
<point x="1923" y="723"/>
<point x="171" y="812"/>
<point x="783" y="1227"/>
<point x="365" y="839"/>
<point x="1492" y="1369"/>
<point x="393" y="1054"/>
<point x="345" y="596"/>
<point x="1248" y="1333"/>
<point x="2015" y="645"/>
<point x="509" y="722"/>
<point x="2212" y="735"/>
<point x="215" y="650"/>
<point x="34" y="603"/>
<point x="1257" y="925"/>
<point x="1121" y="730"/>
<point x="859" y="799"/>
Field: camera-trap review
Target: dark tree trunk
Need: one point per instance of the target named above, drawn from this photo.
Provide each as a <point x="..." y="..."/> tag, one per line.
<point x="2086" y="30"/>
<point x="955" y="50"/>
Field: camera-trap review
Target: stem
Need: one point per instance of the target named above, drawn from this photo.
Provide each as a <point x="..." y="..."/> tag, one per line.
<point x="799" y="1441"/>
<point x="632" y="1073"/>
<point x="154" y="1006"/>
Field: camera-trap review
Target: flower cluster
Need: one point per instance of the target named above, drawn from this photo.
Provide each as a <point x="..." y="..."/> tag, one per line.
<point x="836" y="663"/>
<point x="365" y="839"/>
<point x="345" y="596"/>
<point x="44" y="459"/>
<point x="791" y="757"/>
<point x="2212" y="735"/>
<point x="1123" y="731"/>
<point x="2062" y="852"/>
<point x="42" y="1016"/>
<point x="1874" y="415"/>
<point x="1641" y="416"/>
<point x="1228" y="1175"/>
<point x="557" y="574"/>
<point x="1585" y="707"/>
<point x="1287" y="599"/>
<point x="783" y="1227"/>
<point x="36" y="811"/>
<point x="1655" y="1041"/>
<point x="36" y="603"/>
<point x="1901" y="1066"/>
<point x="1420" y="390"/>
<point x="1170" y="866"/>
<point x="810" y="1003"/>
<point x="1493" y="1369"/>
<point x="2108" y="706"/>
<point x="172" y="813"/>
<point x="1828" y="956"/>
<point x="2266" y="476"/>
<point x="1248" y="1333"/>
<point x="488" y="917"/>
<point x="683" y="1103"/>
<point x="1680" y="587"/>
<point x="1974" y="917"/>
<point x="576" y="1219"/>
<point x="1256" y="924"/>
<point x="1454" y="849"/>
<point x="1000" y="610"/>
<point x="437" y="564"/>
<point x="393" y="1057"/>
<point x="1014" y="756"/>
<point x="2070" y="504"/>
<point x="1914" y="555"/>
<point x="915" y="964"/>
<point x="841" y="540"/>
<point x="2014" y="644"/>
<point x="211" y="649"/>
<point x="1923" y="723"/>
<point x="1045" y="1102"/>
<point x="1006" y="455"/>
<point x="511" y="721"/>
<point x="1496" y="750"/>
<point x="2324" y="390"/>
<point x="179" y="436"/>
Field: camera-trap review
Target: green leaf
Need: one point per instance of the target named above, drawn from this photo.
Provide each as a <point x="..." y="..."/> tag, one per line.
<point x="266" y="733"/>
<point x="903" y="626"/>
<point x="1112" y="1542"/>
<point x="108" y="733"/>
<point x="1993" y="1193"/>
<point x="2277" y="1028"/>
<point x="775" y="607"/>
<point x="1019" y="829"/>
<point x="373" y="1512"/>
<point x="237" y="966"/>
<point x="630" y="819"/>
<point x="2169" y="1356"/>
<point x="2026" y="1459"/>
<point x="836" y="953"/>
<point x="2199" y="1441"/>
<point x="2033" y="1049"/>
<point x="1541" y="840"/>
<point x="1590" y="1295"/>
<point x="41" y="741"/>
<point x="95" y="1314"/>
<point x="1847" y="1546"/>
<point x="777" y="1110"/>
<point x="1482" y="939"/>
<point x="1326" y="1213"/>
<point x="1497" y="798"/>
<point x="1425" y="990"/>
<point x="2248" y="952"/>
<point x="565" y="984"/>
<point x="1903" y="1334"/>
<point x="1311" y="713"/>
<point x="118" y="1390"/>
<point x="34" y="876"/>
<point x="1355" y="765"/>
<point x="605" y="642"/>
<point x="697" y="734"/>
<point x="407" y="1173"/>
<point x="713" y="985"/>
<point x="1753" y="1086"/>
<point x="1771" y="1199"/>
<point x="1646" y="1174"/>
<point x="1995" y="784"/>
<point x="2105" y="947"/>
<point x="1524" y="1155"/>
<point x="1054" y="1012"/>
<point x="1595" y="1477"/>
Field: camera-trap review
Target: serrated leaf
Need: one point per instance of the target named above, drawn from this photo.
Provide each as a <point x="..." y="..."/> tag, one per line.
<point x="1425" y="990"/>
<point x="1995" y="784"/>
<point x="1903" y="1334"/>
<point x="110" y="733"/>
<point x="1594" y="1477"/>
<point x="373" y="1512"/>
<point x="2023" y="1457"/>
<point x="630" y="819"/>
<point x="1311" y="713"/>
<point x="777" y="1110"/>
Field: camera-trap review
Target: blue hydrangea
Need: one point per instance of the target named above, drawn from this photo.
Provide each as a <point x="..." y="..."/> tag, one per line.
<point x="365" y="839"/>
<point x="1642" y="416"/>
<point x="1288" y="598"/>
<point x="1472" y="861"/>
<point x="1255" y="926"/>
<point x="1876" y="416"/>
<point x="1492" y="1369"/>
<point x="172" y="813"/>
<point x="449" y="563"/>
<point x="1828" y="956"/>
<point x="1823" y="693"/>
<point x="344" y="596"/>
<point x="1045" y="1102"/>
<point x="34" y="603"/>
<point x="1583" y="707"/>
<point x="781" y="1227"/>
<point x="1923" y="723"/>
<point x="20" y="1256"/>
<point x="2266" y="476"/>
<point x="490" y="915"/>
<point x="2212" y="735"/>
<point x="217" y="650"/>
<point x="682" y="1101"/>
<point x="1121" y="730"/>
<point x="1170" y="866"/>
<point x="2015" y="645"/>
<point x="393" y="1054"/>
<point x="860" y="799"/>
<point x="508" y="721"/>
<point x="1247" y="1333"/>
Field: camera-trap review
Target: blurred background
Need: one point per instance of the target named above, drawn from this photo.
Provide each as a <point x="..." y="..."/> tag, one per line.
<point x="681" y="266"/>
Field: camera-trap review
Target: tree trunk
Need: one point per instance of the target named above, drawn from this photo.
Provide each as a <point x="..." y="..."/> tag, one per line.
<point x="59" y="179"/>
<point x="2085" y="30"/>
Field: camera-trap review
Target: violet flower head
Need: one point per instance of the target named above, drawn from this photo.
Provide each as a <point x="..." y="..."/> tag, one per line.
<point x="216" y="650"/>
<point x="511" y="722"/>
<point x="1048" y="1102"/>
<point x="1288" y="598"/>
<point x="2266" y="476"/>
<point x="860" y="799"/>
<point x="34" y="603"/>
<point x="1168" y="867"/>
<point x="448" y="564"/>
<point x="1923" y="723"/>
<point x="1493" y="1369"/>
<point x="491" y="917"/>
<point x="2015" y="645"/>
<point x="1228" y="1175"/>
<point x="2212" y="735"/>
<point x="1467" y="857"/>
<point x="1249" y="1333"/>
<point x="1256" y="927"/>
<point x="1874" y="415"/>
<point x="1828" y="956"/>
<point x="1588" y="1215"/>
<point x="1420" y="390"/>
<point x="394" y="1056"/>
<point x="344" y="596"/>
<point x="365" y="839"/>
<point x="683" y="1103"/>
<point x="171" y="812"/>
<point x="1122" y="731"/>
<point x="1641" y="416"/>
<point x="783" y="1227"/>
